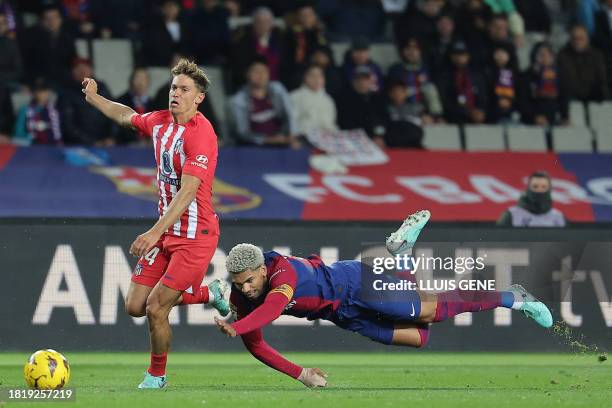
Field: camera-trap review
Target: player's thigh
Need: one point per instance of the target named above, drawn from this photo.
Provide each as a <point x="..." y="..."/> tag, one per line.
<point x="188" y="263"/>
<point x="382" y="296"/>
<point x="151" y="267"/>
<point x="370" y="325"/>
<point x="147" y="273"/>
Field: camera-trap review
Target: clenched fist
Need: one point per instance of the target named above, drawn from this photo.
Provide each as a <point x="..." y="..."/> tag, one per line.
<point x="313" y="377"/>
<point x="90" y="88"/>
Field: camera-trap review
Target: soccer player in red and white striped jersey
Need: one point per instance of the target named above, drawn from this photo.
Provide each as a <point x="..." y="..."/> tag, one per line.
<point x="176" y="251"/>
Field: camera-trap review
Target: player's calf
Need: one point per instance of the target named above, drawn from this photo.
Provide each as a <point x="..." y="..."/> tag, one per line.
<point x="410" y="335"/>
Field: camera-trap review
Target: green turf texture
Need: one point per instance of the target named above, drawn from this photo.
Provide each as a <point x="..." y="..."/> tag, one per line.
<point x="355" y="380"/>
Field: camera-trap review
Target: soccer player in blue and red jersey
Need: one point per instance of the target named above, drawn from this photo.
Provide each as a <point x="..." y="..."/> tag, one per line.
<point x="266" y="285"/>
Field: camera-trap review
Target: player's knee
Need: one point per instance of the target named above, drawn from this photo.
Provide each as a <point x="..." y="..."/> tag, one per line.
<point x="134" y="309"/>
<point x="153" y="309"/>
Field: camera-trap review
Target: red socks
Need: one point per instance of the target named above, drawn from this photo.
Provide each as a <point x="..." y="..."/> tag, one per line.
<point x="200" y="295"/>
<point x="457" y="301"/>
<point x="158" y="364"/>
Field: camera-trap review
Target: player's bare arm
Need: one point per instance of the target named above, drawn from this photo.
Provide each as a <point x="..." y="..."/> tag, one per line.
<point x="187" y="193"/>
<point x="117" y="112"/>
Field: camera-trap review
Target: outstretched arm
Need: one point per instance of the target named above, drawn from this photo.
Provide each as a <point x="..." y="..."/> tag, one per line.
<point x="117" y="112"/>
<point x="310" y="377"/>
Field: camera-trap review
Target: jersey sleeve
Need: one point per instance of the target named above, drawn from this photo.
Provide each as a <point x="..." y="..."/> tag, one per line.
<point x="282" y="279"/>
<point x="262" y="351"/>
<point x="199" y="151"/>
<point x="144" y="122"/>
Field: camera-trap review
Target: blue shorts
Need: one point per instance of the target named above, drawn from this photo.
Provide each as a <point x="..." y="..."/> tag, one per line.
<point x="372" y="313"/>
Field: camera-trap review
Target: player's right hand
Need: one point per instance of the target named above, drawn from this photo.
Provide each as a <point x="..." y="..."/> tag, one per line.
<point x="90" y="87"/>
<point x="313" y="377"/>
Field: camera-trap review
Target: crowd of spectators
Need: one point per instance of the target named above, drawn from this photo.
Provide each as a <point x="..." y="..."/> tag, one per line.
<point x="457" y="63"/>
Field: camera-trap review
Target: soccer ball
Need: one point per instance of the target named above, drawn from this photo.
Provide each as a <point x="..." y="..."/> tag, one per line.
<point x="47" y="370"/>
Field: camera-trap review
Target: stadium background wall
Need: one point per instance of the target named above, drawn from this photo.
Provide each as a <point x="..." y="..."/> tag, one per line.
<point x="62" y="283"/>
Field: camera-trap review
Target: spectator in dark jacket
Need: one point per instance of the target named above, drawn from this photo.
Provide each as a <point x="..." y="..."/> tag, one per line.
<point x="463" y="90"/>
<point x="535" y="206"/>
<point x="260" y="40"/>
<point x="542" y="101"/>
<point x="498" y="35"/>
<point x="119" y="18"/>
<point x="137" y="98"/>
<point x="82" y="124"/>
<point x="6" y="115"/>
<point x="48" y="49"/>
<point x="582" y="69"/>
<point x="334" y="83"/>
<point x="211" y="33"/>
<point x="362" y="108"/>
<point x="357" y="56"/>
<point x="504" y="82"/>
<point x="165" y="34"/>
<point x="419" y="21"/>
<point x="402" y="120"/>
<point x="39" y="121"/>
<point x="422" y="92"/>
<point x="602" y="38"/>
<point x="535" y="14"/>
<point x="301" y="39"/>
<point x="446" y="36"/>
<point x="472" y="21"/>
<point x="10" y="57"/>
<point x="349" y="19"/>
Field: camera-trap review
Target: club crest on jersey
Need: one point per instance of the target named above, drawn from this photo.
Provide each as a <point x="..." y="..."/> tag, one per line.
<point x="166" y="163"/>
<point x="178" y="147"/>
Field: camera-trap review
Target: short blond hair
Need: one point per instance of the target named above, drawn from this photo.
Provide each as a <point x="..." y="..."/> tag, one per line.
<point x="191" y="69"/>
<point x="243" y="257"/>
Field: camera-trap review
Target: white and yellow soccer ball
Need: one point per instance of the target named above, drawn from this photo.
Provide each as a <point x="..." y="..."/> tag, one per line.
<point x="47" y="370"/>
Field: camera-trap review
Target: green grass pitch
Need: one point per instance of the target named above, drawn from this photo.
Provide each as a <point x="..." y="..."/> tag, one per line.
<point x="355" y="380"/>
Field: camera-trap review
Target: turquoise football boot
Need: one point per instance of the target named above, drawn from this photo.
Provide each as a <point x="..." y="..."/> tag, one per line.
<point x="402" y="240"/>
<point x="218" y="289"/>
<point x="153" y="382"/>
<point x="532" y="307"/>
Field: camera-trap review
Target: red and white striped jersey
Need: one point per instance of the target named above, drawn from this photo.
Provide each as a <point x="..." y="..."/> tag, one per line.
<point x="190" y="148"/>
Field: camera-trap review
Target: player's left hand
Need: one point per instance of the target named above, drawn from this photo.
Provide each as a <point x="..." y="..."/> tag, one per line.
<point x="224" y="327"/>
<point x="313" y="377"/>
<point x="144" y="243"/>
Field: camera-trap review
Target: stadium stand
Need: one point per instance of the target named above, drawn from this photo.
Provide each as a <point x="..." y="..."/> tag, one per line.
<point x="484" y="138"/>
<point x="572" y="139"/>
<point x="442" y="137"/>
<point x="526" y="139"/>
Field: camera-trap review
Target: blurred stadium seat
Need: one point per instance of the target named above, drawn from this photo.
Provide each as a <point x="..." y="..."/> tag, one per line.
<point x="484" y="138"/>
<point x="601" y="123"/>
<point x="442" y="137"/>
<point x="113" y="63"/>
<point x="572" y="139"/>
<point x="526" y="139"/>
<point x="159" y="76"/>
<point x="82" y="48"/>
<point x="577" y="114"/>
